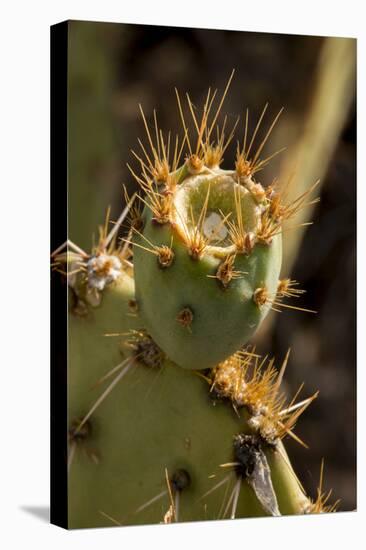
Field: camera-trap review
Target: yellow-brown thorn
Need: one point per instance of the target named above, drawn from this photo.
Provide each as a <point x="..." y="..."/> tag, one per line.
<point x="280" y="210"/>
<point x="107" y="244"/>
<point x="200" y="128"/>
<point x="243" y="241"/>
<point x="160" y="204"/>
<point x="228" y="378"/>
<point x="164" y="253"/>
<point x="195" y="164"/>
<point x="268" y="228"/>
<point x="205" y="151"/>
<point x="61" y="261"/>
<point x="172" y="514"/>
<point x="194" y="239"/>
<point x="320" y="505"/>
<point x="225" y="272"/>
<point x="214" y="152"/>
<point x="277" y="211"/>
<point x="262" y="297"/>
<point x="251" y="382"/>
<point x="158" y="164"/>
<point x="165" y="256"/>
<point x="286" y="289"/>
<point x="288" y="416"/>
<point x="108" y="238"/>
<point x="213" y="156"/>
<point x="270" y="416"/>
<point x="245" y="166"/>
<point x="162" y="214"/>
<point x="134" y="217"/>
<point x="101" y="246"/>
<point x="212" y="125"/>
<point x="158" y="168"/>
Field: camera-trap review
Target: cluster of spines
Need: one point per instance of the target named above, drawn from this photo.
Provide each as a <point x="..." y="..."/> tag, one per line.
<point x="88" y="274"/>
<point x="248" y="381"/>
<point x="286" y="288"/>
<point x="254" y="383"/>
<point x="321" y="504"/>
<point x="160" y="174"/>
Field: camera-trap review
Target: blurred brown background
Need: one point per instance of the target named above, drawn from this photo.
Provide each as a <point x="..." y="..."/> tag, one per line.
<point x="114" y="67"/>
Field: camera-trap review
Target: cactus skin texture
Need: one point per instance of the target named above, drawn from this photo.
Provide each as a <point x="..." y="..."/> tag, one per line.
<point x="158" y="418"/>
<point x="224" y="314"/>
<point x="150" y="441"/>
<point x="153" y="419"/>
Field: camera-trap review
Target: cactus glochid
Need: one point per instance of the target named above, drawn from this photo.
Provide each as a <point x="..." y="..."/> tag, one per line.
<point x="173" y="416"/>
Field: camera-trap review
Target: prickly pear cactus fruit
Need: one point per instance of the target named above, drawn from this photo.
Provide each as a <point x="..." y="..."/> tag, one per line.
<point x="208" y="244"/>
<point x="207" y="264"/>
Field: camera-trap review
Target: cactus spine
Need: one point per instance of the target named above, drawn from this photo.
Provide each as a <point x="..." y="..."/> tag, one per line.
<point x="173" y="416"/>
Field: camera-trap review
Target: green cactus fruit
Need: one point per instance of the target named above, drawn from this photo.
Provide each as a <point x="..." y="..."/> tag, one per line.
<point x="198" y="289"/>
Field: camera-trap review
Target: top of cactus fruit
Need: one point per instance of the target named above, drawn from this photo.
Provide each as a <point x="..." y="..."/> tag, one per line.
<point x="176" y="192"/>
<point x="205" y="203"/>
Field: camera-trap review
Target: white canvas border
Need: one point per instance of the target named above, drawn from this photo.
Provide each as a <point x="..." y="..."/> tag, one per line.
<point x="25" y="279"/>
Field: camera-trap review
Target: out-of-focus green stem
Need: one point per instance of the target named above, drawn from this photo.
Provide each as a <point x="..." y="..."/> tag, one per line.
<point x="289" y="492"/>
<point x="332" y="97"/>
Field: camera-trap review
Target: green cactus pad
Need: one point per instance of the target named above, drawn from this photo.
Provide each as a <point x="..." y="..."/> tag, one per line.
<point x="155" y="418"/>
<point x="159" y="420"/>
